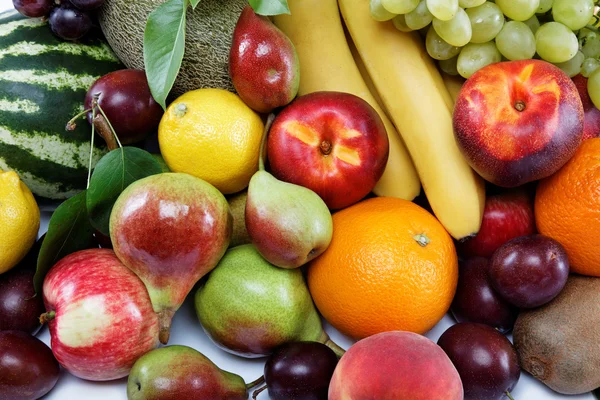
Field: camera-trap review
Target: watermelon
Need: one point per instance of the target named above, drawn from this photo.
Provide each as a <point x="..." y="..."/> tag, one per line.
<point x="43" y="82"/>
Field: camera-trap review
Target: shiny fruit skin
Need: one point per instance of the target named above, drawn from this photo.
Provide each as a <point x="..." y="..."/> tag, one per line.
<point x="33" y="8"/>
<point x="591" y="123"/>
<point x="505" y="216"/>
<point x="485" y="359"/>
<point x="476" y="301"/>
<point x="518" y="121"/>
<point x="263" y="63"/>
<point x="27" y="368"/>
<point x="300" y="371"/>
<point x="69" y="23"/>
<point x="529" y="271"/>
<point x="332" y="143"/>
<point x="128" y="104"/>
<point x="20" y="308"/>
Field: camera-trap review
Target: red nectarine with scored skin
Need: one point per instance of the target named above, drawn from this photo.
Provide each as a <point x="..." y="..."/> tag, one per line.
<point x="518" y="121"/>
<point x="332" y="143"/>
<point x="395" y="365"/>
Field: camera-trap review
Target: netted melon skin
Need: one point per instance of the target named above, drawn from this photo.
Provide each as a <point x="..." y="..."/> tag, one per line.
<point x="208" y="39"/>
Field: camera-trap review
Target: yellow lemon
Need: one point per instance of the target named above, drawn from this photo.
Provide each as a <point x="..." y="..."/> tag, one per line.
<point x="211" y="134"/>
<point x="19" y="220"/>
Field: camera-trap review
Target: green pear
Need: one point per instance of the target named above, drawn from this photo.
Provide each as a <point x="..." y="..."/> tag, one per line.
<point x="179" y="373"/>
<point x="249" y="306"/>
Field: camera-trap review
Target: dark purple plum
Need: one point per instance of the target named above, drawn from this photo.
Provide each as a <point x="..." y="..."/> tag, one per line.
<point x="300" y="371"/>
<point x="476" y="301"/>
<point x="20" y="309"/>
<point x="87" y="5"/>
<point x="28" y="370"/>
<point x="529" y="271"/>
<point x="69" y="23"/>
<point x="33" y="8"/>
<point x="125" y="98"/>
<point x="485" y="359"/>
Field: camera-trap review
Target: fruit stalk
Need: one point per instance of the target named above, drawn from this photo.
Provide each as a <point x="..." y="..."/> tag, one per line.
<point x="47" y="317"/>
<point x="164" y="325"/>
<point x="326" y="340"/>
<point x="263" y="143"/>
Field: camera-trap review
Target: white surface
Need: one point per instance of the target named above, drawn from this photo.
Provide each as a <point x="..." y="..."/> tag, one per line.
<point x="186" y="330"/>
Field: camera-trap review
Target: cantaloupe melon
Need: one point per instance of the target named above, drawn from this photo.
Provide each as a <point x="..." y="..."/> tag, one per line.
<point x="208" y="39"/>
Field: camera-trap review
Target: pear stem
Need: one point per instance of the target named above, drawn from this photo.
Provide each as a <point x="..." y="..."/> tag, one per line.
<point x="255" y="383"/>
<point x="164" y="325"/>
<point x="508" y="395"/>
<point x="47" y="317"/>
<point x="258" y="391"/>
<point x="263" y="143"/>
<point x="326" y="340"/>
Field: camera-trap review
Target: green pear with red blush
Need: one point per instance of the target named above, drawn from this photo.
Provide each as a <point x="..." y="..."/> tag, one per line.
<point x="181" y="373"/>
<point x="170" y="229"/>
<point x="263" y="63"/>
<point x="249" y="307"/>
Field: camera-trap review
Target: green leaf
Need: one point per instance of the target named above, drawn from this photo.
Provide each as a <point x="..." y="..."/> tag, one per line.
<point x="69" y="230"/>
<point x="270" y="7"/>
<point x="113" y="173"/>
<point x="164" y="45"/>
<point x="194" y="3"/>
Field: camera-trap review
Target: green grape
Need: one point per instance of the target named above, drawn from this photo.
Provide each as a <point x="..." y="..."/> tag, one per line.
<point x="378" y="13"/>
<point x="594" y="87"/>
<point x="544" y="7"/>
<point x="555" y="42"/>
<point x="443" y="10"/>
<point x="438" y="48"/>
<point x="400" y="23"/>
<point x="589" y="42"/>
<point x="486" y="22"/>
<point x="470" y="3"/>
<point x="533" y="23"/>
<point x="575" y="14"/>
<point x="516" y="41"/>
<point x="518" y="10"/>
<point x="589" y="66"/>
<point x="573" y="66"/>
<point x="449" y="66"/>
<point x="420" y="17"/>
<point x="457" y="31"/>
<point x="399" y="6"/>
<point x="475" y="56"/>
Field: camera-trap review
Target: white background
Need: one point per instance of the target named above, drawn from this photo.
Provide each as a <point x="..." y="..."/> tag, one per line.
<point x="186" y="330"/>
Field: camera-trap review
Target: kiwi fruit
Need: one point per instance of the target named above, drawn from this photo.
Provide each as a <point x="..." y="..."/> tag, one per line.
<point x="208" y="39"/>
<point x="559" y="343"/>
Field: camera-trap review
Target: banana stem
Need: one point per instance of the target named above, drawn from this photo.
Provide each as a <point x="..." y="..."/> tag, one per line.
<point x="255" y="383"/>
<point x="263" y="151"/>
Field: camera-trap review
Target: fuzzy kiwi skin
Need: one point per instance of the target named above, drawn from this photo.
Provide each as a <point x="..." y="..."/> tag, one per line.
<point x="559" y="343"/>
<point x="208" y="39"/>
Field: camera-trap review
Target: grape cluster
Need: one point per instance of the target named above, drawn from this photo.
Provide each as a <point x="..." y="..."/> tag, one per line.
<point x="466" y="35"/>
<point x="68" y="19"/>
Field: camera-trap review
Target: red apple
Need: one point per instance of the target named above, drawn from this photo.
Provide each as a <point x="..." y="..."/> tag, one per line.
<point x="591" y="122"/>
<point x="505" y="216"/>
<point x="99" y="314"/>
<point x="332" y="143"/>
<point x="518" y="121"/>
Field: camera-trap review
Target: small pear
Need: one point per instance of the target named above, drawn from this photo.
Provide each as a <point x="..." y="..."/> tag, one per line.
<point x="289" y="224"/>
<point x="249" y="307"/>
<point x="180" y="373"/>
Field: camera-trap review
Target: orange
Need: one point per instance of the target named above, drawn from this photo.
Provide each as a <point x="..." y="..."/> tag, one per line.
<point x="567" y="208"/>
<point x="390" y="266"/>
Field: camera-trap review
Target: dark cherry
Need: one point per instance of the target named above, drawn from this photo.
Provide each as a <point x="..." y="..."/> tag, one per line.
<point x="28" y="370"/>
<point x="20" y="308"/>
<point x="529" y="271"/>
<point x="125" y="98"/>
<point x="300" y="371"/>
<point x="68" y="22"/>
<point x="485" y="359"/>
<point x="33" y="8"/>
<point x="476" y="301"/>
<point x="87" y="5"/>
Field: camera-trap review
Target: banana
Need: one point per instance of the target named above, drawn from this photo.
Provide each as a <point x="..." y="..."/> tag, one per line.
<point x="326" y="63"/>
<point x="453" y="84"/>
<point x="420" y="106"/>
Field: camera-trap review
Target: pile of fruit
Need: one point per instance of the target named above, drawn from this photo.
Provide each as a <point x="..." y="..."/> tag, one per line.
<point x="275" y="172"/>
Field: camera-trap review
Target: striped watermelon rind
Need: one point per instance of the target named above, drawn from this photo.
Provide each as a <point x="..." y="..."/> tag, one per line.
<point x="43" y="82"/>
